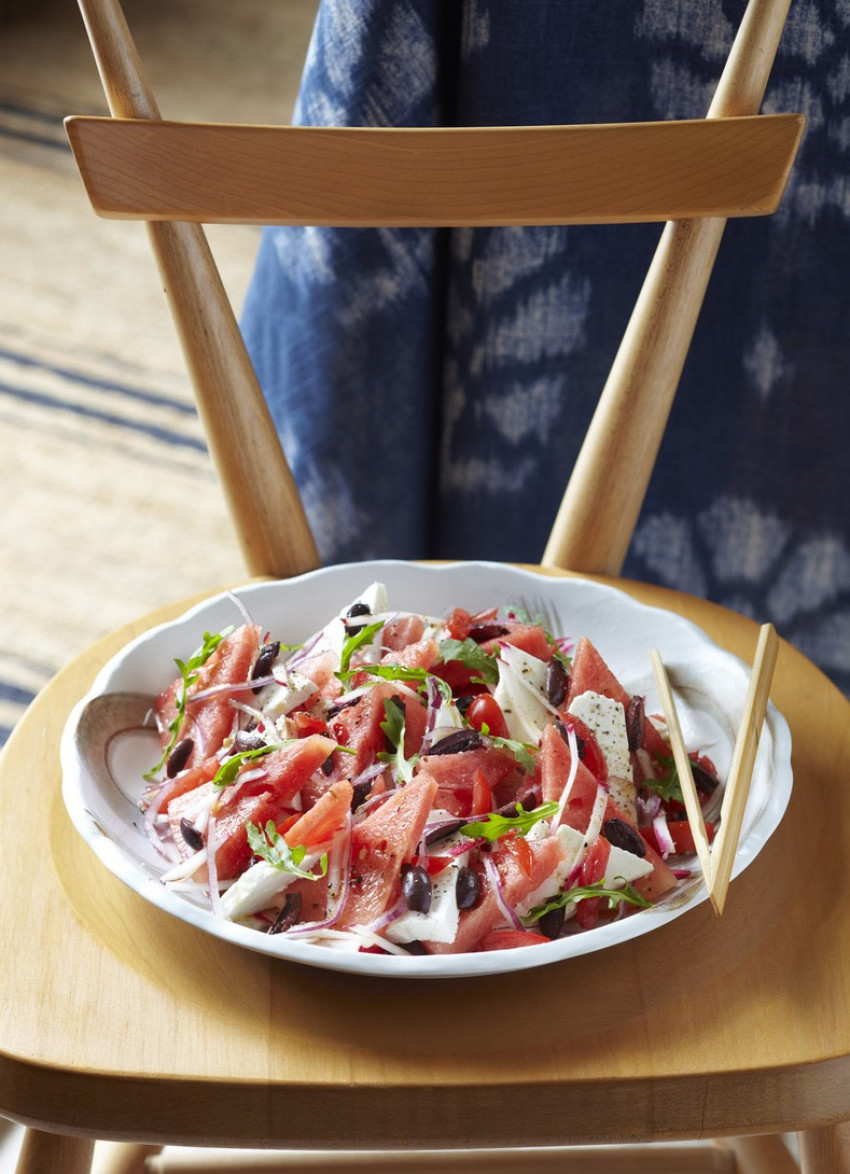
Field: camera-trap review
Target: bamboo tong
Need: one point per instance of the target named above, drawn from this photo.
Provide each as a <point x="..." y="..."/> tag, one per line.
<point x="716" y="862"/>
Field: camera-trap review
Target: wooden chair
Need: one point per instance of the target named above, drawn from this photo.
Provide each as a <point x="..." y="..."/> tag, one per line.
<point x="118" y="1023"/>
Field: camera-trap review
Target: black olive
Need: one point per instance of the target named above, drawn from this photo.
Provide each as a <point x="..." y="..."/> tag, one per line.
<point x="468" y="889"/>
<point x="247" y="740"/>
<point x="416" y="888"/>
<point x="443" y="830"/>
<point x="551" y="923"/>
<point x="357" y="609"/>
<point x="415" y="947"/>
<point x="487" y="631"/>
<point x="623" y="835"/>
<point x="557" y="682"/>
<point x="457" y="742"/>
<point x="191" y="835"/>
<point x="327" y="766"/>
<point x="635" y="722"/>
<point x="704" y="781"/>
<point x="359" y="792"/>
<point x="265" y="659"/>
<point x="179" y="756"/>
<point x="289" y="913"/>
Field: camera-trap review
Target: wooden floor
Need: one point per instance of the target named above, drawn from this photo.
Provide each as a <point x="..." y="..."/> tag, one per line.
<point x="104" y="467"/>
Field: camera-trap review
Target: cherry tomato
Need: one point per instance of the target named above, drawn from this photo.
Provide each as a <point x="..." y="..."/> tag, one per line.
<point x="683" y="837"/>
<point x="592" y="870"/>
<point x="434" y="864"/>
<point x="519" y="848"/>
<point x="482" y="796"/>
<point x="484" y="710"/>
<point x="459" y="624"/>
<point x="306" y="724"/>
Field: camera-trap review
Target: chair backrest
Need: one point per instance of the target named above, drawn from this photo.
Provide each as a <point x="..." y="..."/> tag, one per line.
<point x="690" y="174"/>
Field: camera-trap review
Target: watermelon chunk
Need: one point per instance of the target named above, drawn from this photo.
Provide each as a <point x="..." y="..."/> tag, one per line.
<point x="476" y="924"/>
<point x="209" y="722"/>
<point x="455" y="775"/>
<point x="268" y="797"/>
<point x="386" y="839"/>
<point x="590" y="674"/>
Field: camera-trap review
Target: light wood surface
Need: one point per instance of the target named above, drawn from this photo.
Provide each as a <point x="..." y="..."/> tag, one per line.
<point x="351" y="176"/>
<point x="710" y="1158"/>
<point x="598" y="513"/>
<point x="683" y="766"/>
<point x="272" y="527"/>
<point x="741" y="767"/>
<point x="706" y="1027"/>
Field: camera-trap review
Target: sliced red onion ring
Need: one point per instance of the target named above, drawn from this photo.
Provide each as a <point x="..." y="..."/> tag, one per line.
<point x="662" y="835"/>
<point x="499" y="893"/>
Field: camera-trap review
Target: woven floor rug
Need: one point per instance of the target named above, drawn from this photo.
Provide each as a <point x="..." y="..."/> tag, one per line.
<point x="109" y="503"/>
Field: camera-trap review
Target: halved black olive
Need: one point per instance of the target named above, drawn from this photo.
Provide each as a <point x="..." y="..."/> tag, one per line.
<point x="623" y="835"/>
<point x="457" y="742"/>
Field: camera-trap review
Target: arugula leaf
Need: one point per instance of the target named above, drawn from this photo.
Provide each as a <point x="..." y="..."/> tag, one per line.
<point x="582" y="893"/>
<point x="523" y="752"/>
<point x="364" y="635"/>
<point x="400" y="672"/>
<point x="229" y="769"/>
<point x="495" y="826"/>
<point x="188" y="676"/>
<point x="670" y="787"/>
<point x="270" y="846"/>
<point x="393" y="727"/>
<point x="473" y="656"/>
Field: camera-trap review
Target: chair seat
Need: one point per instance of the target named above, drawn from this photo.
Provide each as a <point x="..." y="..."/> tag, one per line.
<point x="707" y="1026"/>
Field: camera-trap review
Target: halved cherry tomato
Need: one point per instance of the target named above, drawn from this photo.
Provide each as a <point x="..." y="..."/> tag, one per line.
<point x="484" y="710"/>
<point x="681" y="835"/>
<point x="307" y="723"/>
<point x="434" y="864"/>
<point x="592" y="870"/>
<point x="519" y="848"/>
<point x="459" y="624"/>
<point x="482" y="796"/>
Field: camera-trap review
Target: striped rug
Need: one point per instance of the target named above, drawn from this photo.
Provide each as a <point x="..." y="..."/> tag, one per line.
<point x="110" y="507"/>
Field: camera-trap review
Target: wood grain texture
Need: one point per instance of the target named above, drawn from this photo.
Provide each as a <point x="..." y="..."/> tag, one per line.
<point x="355" y="177"/>
<point x="707" y="1027"/>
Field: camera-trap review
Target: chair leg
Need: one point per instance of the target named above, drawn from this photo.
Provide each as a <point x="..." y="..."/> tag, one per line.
<point x="827" y="1150"/>
<point x="41" y="1152"/>
<point x="765" y="1154"/>
<point x="112" y="1157"/>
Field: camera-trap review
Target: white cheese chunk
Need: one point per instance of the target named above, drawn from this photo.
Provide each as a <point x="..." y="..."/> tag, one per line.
<point x="606" y="719"/>
<point x="289" y="690"/>
<point x="440" y="923"/>
<point x="521" y="694"/>
<point x="258" y="886"/>
<point x="622" y="869"/>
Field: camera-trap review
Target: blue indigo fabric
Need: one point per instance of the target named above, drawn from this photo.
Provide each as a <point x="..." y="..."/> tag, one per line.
<point x="431" y="387"/>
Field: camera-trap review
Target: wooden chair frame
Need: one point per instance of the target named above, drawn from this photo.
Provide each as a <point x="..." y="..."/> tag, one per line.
<point x="705" y="1060"/>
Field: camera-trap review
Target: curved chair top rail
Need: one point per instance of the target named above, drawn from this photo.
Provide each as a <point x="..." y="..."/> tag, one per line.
<point x="355" y="177"/>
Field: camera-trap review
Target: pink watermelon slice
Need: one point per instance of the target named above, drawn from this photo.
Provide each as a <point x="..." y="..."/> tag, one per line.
<point x="590" y="673"/>
<point x="474" y="925"/>
<point x="209" y="722"/>
<point x="381" y="843"/>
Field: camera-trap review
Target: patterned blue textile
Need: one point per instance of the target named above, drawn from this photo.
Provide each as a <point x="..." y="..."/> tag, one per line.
<point x="432" y="388"/>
